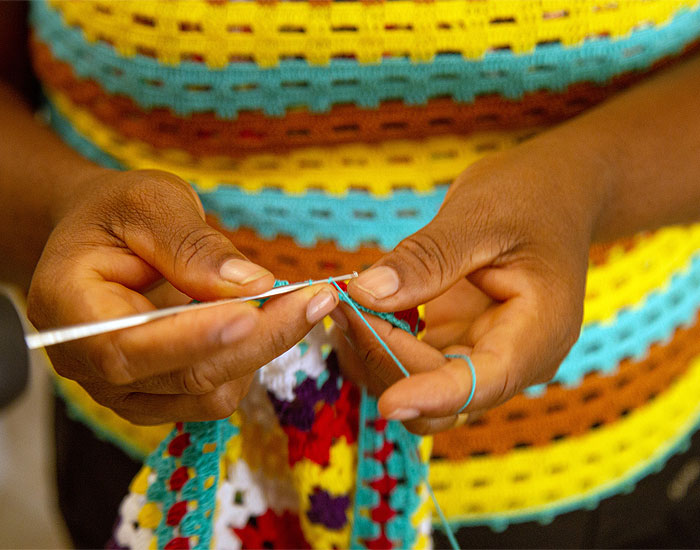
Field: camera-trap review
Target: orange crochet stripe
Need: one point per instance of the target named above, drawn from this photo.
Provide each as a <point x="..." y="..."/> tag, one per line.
<point x="205" y="134"/>
<point x="566" y="412"/>
<point x="287" y="260"/>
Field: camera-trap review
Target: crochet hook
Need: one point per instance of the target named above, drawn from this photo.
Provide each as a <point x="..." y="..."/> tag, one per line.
<point x="75" y="332"/>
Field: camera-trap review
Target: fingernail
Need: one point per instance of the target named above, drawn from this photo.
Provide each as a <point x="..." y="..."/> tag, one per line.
<point x="380" y="282"/>
<point x="237" y="329"/>
<point x="403" y="414"/>
<point x="320" y="306"/>
<point x="340" y="319"/>
<point x="241" y="271"/>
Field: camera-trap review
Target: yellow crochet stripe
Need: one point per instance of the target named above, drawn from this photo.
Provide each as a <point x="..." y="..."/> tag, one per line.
<point x="142" y="439"/>
<point x="378" y="168"/>
<point x="530" y="480"/>
<point x="627" y="277"/>
<point x="268" y="32"/>
<point x="337" y="478"/>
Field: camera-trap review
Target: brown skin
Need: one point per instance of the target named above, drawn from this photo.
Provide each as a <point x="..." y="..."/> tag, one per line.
<point x="508" y="248"/>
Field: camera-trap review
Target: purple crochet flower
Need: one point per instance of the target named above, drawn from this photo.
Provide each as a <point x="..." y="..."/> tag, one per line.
<point x="300" y="413"/>
<point x="327" y="510"/>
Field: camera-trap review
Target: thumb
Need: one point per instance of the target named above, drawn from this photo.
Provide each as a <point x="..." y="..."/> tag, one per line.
<point x="168" y="231"/>
<point x="424" y="265"/>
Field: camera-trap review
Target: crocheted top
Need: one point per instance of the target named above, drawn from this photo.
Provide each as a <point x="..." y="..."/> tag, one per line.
<point x="319" y="134"/>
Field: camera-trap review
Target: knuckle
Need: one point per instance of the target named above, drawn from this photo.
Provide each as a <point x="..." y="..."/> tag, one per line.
<point x="198" y="381"/>
<point x="110" y="362"/>
<point x="422" y="426"/>
<point x="508" y="387"/>
<point x="221" y="404"/>
<point x="190" y="244"/>
<point x="279" y="341"/>
<point x="431" y="254"/>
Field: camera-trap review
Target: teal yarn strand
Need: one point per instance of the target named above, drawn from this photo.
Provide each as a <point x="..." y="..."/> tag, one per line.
<point x="345" y="298"/>
<point x="473" y="373"/>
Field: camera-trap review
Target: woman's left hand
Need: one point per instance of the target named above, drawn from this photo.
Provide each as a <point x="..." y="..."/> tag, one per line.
<point x="502" y="269"/>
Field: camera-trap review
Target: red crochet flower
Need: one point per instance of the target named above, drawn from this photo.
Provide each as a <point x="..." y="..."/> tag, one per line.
<point x="272" y="531"/>
<point x="331" y="423"/>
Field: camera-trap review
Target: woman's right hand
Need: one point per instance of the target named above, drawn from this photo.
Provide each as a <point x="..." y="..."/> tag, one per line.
<point x="126" y="236"/>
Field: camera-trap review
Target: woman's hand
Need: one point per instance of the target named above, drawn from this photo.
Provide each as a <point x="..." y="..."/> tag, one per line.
<point x="502" y="269"/>
<point x="128" y="241"/>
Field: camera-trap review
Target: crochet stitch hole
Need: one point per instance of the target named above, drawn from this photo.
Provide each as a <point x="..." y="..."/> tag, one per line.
<point x="325" y="214"/>
<point x="298" y="132"/>
<point x="364" y="214"/>
<point x="291" y="29"/>
<point x="444" y="154"/>
<point x="557" y="468"/>
<point x="549" y="15"/>
<point x="441" y="122"/>
<point x="346" y="128"/>
<point x="295" y="84"/>
<point x="397" y="125"/>
<point x="591" y="395"/>
<point x="559" y="437"/>
<point x="146" y="51"/>
<point x="592" y="458"/>
<point x="548" y="43"/>
<point x="555" y="407"/>
<point x="513" y="416"/>
<point x="501" y="20"/>
<point x="189" y="26"/>
<point x="143" y="20"/>
<point x="407" y="213"/>
<point x="276" y="211"/>
<point x="488" y="146"/>
<point x="244" y="87"/>
<point x="238" y="28"/>
<point x="488" y="118"/>
<point x="479" y="422"/>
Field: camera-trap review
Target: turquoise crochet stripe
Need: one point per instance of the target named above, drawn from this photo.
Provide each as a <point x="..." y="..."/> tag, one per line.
<point x="356" y="219"/>
<point x="401" y="465"/>
<point x="631" y="333"/>
<point x="197" y="522"/>
<point x="244" y="86"/>
<point x="544" y="516"/>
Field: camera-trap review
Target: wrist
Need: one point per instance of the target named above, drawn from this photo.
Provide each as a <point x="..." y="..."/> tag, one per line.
<point x="583" y="170"/>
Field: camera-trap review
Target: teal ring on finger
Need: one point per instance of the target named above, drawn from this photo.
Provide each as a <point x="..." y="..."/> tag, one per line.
<point x="473" y="373"/>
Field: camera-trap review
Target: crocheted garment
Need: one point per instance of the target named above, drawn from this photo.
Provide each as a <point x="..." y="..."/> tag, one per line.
<point x="319" y="134"/>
